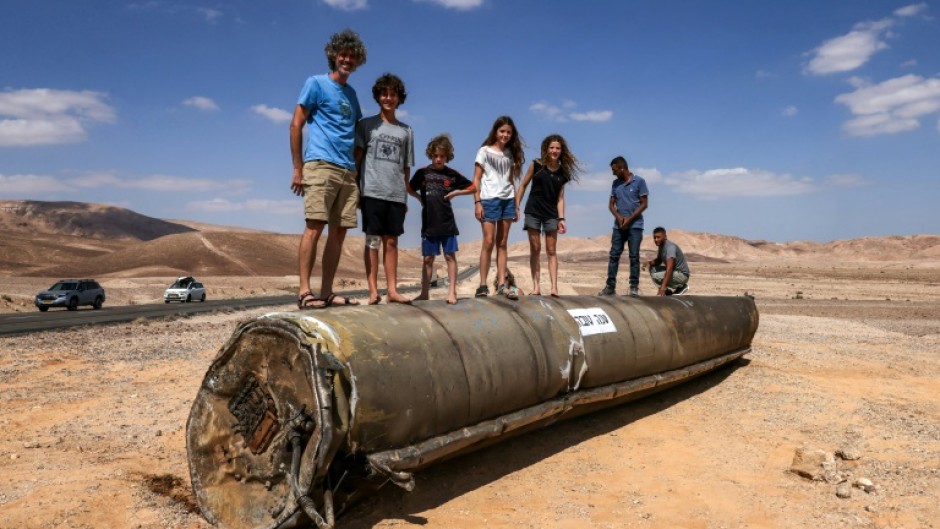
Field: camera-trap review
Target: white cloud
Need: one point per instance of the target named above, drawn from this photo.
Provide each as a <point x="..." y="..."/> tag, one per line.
<point x="162" y="183"/>
<point x="594" y="181"/>
<point x="858" y="82"/>
<point x="211" y="15"/>
<point x="849" y="51"/>
<point x="564" y="112"/>
<point x="763" y="74"/>
<point x="274" y="207"/>
<point x="43" y="116"/>
<point x="911" y="10"/>
<point x="26" y="185"/>
<point x="592" y="115"/>
<point x="347" y="5"/>
<point x="910" y="63"/>
<point x="892" y="106"/>
<point x="276" y="115"/>
<point x="790" y="111"/>
<point x="601" y="180"/>
<point x="202" y="103"/>
<point x="547" y="111"/>
<point x="738" y="182"/>
<point x="461" y="5"/>
<point x="846" y="180"/>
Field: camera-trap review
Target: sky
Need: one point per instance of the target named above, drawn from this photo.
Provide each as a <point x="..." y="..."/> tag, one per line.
<point x="778" y="120"/>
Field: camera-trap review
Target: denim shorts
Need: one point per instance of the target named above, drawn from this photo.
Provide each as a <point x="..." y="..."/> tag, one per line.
<point x="496" y="209"/>
<point x="432" y="245"/>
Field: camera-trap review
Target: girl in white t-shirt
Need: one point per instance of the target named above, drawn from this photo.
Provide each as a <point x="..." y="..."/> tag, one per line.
<point x="497" y="167"/>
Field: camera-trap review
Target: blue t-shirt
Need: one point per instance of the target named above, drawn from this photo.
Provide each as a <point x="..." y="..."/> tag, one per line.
<point x="627" y="199"/>
<point x="331" y="127"/>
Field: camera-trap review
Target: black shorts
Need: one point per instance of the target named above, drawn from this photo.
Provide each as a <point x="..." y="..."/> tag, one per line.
<point x="382" y="217"/>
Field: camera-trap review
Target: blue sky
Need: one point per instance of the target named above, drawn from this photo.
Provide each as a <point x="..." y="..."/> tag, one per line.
<point x="781" y="121"/>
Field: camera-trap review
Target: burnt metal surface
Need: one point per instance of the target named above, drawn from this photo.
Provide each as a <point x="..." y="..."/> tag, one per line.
<point x="301" y="413"/>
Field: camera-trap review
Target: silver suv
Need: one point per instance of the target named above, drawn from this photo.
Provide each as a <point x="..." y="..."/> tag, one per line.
<point x="185" y="289"/>
<point x="70" y="293"/>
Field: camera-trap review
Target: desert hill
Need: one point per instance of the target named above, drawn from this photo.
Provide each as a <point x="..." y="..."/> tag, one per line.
<point x="80" y="219"/>
<point x="58" y="239"/>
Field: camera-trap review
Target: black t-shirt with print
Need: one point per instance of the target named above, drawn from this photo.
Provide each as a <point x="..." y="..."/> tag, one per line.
<point x="437" y="215"/>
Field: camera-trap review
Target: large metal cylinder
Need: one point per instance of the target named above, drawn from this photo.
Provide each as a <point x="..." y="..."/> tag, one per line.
<point x="303" y="412"/>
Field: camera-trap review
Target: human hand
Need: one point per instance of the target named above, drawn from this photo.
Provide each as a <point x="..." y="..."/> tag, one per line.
<point x="478" y="211"/>
<point x="562" y="227"/>
<point x="297" y="182"/>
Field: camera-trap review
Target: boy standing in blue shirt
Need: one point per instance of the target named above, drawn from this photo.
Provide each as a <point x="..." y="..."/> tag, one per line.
<point x="628" y="200"/>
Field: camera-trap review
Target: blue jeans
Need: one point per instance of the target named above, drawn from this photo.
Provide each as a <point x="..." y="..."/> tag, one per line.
<point x="632" y="238"/>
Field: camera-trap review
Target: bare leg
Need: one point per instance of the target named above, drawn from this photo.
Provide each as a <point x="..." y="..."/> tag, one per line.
<point x="535" y="250"/>
<point x="371" y="259"/>
<point x="331" y="255"/>
<point x="308" y="252"/>
<point x="551" y="244"/>
<point x="427" y="270"/>
<point x="502" y="243"/>
<point x="390" y="260"/>
<point x="451" y="277"/>
<point x="486" y="250"/>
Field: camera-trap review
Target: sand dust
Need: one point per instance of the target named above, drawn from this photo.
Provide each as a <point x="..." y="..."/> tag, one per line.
<point x="92" y="420"/>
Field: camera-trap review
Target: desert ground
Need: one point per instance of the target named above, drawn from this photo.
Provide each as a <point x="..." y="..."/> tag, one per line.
<point x="846" y="358"/>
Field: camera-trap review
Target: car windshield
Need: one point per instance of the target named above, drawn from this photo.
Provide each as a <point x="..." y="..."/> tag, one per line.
<point x="63" y="286"/>
<point x="181" y="283"/>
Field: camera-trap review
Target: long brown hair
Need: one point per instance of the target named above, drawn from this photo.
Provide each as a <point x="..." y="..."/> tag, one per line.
<point x="570" y="166"/>
<point x="515" y="144"/>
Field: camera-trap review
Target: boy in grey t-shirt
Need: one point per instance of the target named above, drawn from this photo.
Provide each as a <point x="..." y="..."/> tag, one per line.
<point x="384" y="157"/>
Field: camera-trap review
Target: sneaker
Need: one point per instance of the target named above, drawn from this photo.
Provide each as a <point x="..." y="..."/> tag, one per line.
<point x="482" y="291"/>
<point x="608" y="291"/>
<point x="634" y="292"/>
<point x="669" y="292"/>
<point x="681" y="290"/>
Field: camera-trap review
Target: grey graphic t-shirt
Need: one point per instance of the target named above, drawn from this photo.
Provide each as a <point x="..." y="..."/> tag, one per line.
<point x="389" y="149"/>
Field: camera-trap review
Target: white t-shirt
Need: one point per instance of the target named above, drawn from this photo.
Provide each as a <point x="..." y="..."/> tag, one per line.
<point x="496" y="181"/>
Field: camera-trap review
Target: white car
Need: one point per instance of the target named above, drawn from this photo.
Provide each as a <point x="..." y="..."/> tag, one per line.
<point x="184" y="290"/>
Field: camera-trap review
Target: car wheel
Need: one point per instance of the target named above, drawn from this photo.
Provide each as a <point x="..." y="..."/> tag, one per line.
<point x="73" y="304"/>
<point x="188" y="298"/>
<point x="166" y="301"/>
<point x="43" y="309"/>
<point x="203" y="298"/>
<point x="97" y="304"/>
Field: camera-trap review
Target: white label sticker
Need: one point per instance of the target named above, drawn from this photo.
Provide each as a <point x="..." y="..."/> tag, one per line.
<point x="592" y="321"/>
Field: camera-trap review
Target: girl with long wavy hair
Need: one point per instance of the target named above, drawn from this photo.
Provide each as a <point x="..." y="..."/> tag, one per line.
<point x="545" y="208"/>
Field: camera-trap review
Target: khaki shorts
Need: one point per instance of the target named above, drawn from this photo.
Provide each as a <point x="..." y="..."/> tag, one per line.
<point x="330" y="194"/>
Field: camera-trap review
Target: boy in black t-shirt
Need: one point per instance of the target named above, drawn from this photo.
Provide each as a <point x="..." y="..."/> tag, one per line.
<point x="436" y="185"/>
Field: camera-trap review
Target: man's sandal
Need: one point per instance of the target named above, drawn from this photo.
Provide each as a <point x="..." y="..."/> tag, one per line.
<point x="346" y="301"/>
<point x="308" y="301"/>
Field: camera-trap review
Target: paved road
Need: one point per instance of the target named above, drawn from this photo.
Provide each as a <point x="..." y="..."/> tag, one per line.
<point x="26" y="322"/>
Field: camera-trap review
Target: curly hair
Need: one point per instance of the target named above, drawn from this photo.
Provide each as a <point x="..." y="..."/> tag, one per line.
<point x="441" y="142"/>
<point x="515" y="144"/>
<point x="389" y="81"/>
<point x="570" y="166"/>
<point x="346" y="40"/>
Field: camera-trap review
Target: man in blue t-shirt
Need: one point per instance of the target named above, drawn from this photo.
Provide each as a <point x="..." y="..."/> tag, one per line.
<point x="325" y="170"/>
<point x="628" y="200"/>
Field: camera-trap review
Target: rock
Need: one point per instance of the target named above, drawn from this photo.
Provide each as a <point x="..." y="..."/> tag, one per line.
<point x="844" y="490"/>
<point x="814" y="464"/>
<point x="865" y="484"/>
<point x="849" y="453"/>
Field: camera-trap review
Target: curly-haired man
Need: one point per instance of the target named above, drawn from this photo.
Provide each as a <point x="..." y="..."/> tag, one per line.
<point x="325" y="168"/>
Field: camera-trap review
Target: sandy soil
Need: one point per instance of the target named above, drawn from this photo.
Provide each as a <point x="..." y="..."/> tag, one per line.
<point x="92" y="422"/>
